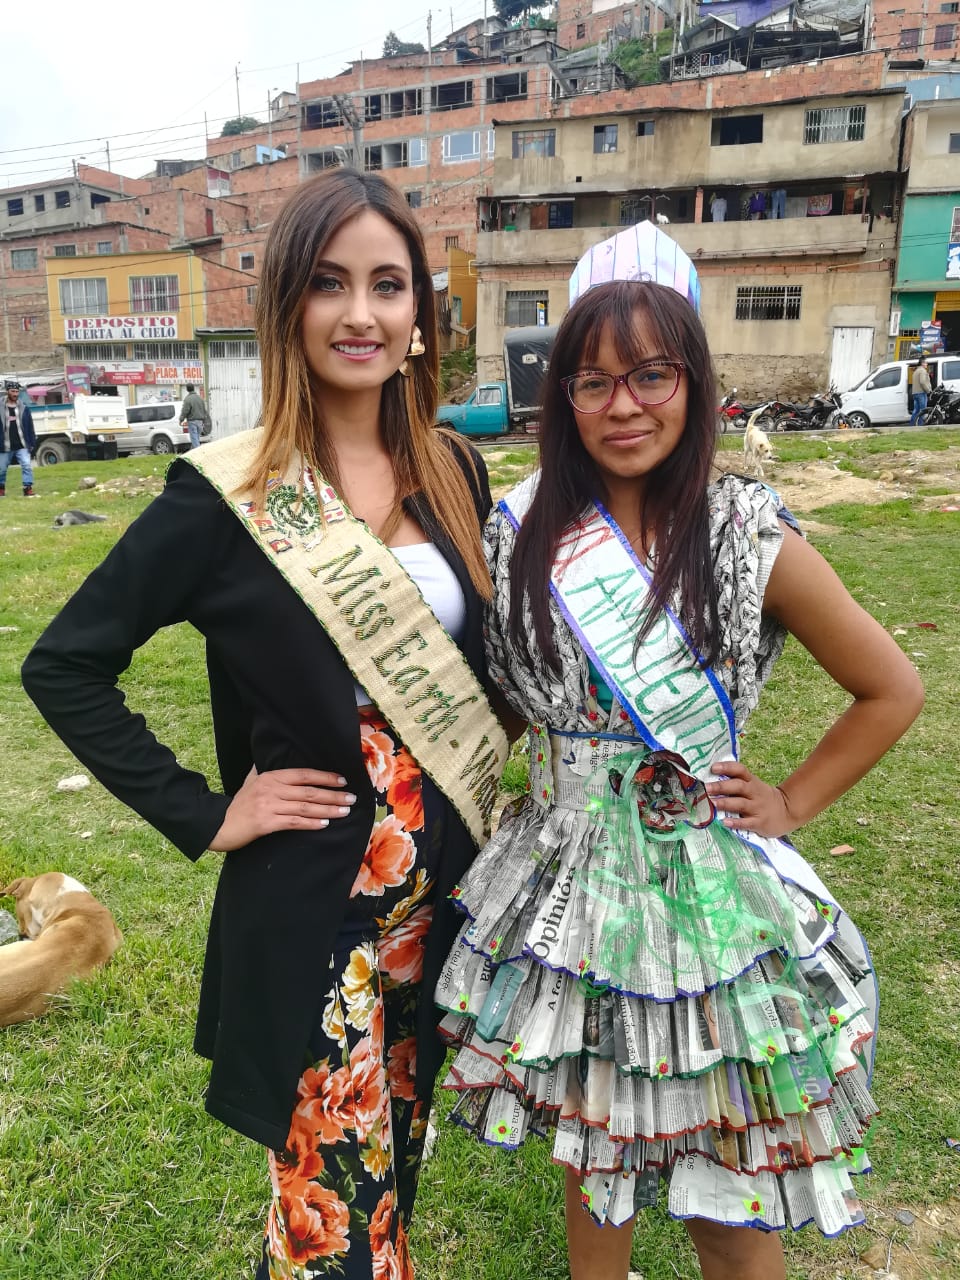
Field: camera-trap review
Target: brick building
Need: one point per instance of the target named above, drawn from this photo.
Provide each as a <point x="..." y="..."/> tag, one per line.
<point x="789" y="301"/>
<point x="916" y="32"/>
<point x="581" y="22"/>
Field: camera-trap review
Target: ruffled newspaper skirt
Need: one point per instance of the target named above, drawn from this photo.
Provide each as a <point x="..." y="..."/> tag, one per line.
<point x="670" y="1000"/>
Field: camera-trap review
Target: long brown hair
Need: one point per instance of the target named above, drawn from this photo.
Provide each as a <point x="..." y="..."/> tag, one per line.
<point x="292" y="414"/>
<point x="674" y="498"/>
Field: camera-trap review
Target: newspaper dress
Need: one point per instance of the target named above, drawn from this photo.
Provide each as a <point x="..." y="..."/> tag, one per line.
<point x="667" y="999"/>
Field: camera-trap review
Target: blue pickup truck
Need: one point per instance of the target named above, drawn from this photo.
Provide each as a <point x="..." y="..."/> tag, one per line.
<point x="497" y="408"/>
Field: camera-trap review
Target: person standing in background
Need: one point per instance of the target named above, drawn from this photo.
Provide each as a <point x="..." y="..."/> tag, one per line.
<point x="19" y="441"/>
<point x="194" y="415"/>
<point x="921" y="386"/>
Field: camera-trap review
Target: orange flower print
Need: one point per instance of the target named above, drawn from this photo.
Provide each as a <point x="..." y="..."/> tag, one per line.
<point x="378" y="756"/>
<point x="318" y="1224"/>
<point x="388" y="860"/>
<point x="300" y="1160"/>
<point x="326" y="1106"/>
<point x="405" y="793"/>
<point x="375" y="1030"/>
<point x="368" y="1083"/>
<point x="401" y="950"/>
<point x="386" y="1264"/>
<point x="380" y="1221"/>
<point x="402" y="1068"/>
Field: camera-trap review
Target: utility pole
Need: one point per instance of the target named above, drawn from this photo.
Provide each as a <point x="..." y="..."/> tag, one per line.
<point x="269" y="128"/>
<point x="354" y="119"/>
<point x="236" y="76"/>
<point x="429" y="38"/>
<point x="107" y="145"/>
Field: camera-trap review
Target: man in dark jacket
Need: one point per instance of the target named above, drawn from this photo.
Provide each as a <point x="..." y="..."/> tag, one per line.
<point x="19" y="442"/>
<point x="194" y="414"/>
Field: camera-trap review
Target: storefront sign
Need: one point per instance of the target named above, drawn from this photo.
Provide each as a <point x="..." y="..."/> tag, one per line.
<point x="77" y="378"/>
<point x="132" y="373"/>
<point x="120" y="328"/>
<point x="931" y="338"/>
<point x="953" y="262"/>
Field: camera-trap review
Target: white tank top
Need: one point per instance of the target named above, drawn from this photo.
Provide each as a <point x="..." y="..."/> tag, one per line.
<point x="438" y="585"/>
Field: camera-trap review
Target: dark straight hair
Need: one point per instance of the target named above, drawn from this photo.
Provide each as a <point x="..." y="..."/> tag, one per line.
<point x="674" y="499"/>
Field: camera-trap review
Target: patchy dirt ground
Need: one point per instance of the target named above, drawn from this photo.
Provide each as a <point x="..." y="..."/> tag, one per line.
<point x="881" y="477"/>
<point x="899" y="1242"/>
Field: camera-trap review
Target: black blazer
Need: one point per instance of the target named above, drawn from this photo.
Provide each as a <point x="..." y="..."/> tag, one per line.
<point x="282" y="697"/>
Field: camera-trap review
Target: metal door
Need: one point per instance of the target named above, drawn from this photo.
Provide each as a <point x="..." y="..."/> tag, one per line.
<point x="233" y="386"/>
<point x="851" y="357"/>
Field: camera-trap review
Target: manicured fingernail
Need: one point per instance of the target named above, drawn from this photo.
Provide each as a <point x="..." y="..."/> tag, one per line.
<point x="341" y="782"/>
<point x="349" y="797"/>
<point x="324" y="822"/>
<point x="344" y="809"/>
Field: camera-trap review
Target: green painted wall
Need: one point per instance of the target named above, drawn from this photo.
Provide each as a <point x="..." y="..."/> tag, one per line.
<point x="924" y="238"/>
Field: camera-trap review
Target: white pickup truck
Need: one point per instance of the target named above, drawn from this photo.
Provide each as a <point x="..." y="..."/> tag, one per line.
<point x="89" y="429"/>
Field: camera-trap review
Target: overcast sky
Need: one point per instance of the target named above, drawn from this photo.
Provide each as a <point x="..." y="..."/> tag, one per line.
<point x="143" y="76"/>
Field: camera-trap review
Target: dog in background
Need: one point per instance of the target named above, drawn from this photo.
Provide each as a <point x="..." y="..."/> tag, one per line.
<point x="66" y="933"/>
<point x="756" y="445"/>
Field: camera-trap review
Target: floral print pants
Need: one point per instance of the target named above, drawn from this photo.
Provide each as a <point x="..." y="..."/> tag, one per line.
<point x="344" y="1185"/>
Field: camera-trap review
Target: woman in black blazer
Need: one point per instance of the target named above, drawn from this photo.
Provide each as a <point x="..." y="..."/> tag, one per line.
<point x="330" y="915"/>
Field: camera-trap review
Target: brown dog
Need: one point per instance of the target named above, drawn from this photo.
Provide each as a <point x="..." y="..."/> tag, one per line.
<point x="68" y="934"/>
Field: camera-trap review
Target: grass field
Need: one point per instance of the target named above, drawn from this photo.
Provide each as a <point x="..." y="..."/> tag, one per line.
<point x="108" y="1165"/>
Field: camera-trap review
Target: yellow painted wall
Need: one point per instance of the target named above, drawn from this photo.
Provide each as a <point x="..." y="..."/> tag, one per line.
<point x="117" y="270"/>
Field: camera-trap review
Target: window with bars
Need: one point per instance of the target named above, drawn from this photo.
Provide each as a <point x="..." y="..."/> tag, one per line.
<point x="451" y="242"/>
<point x="97" y="351"/>
<point x="955" y="225"/>
<point x="62" y="199"/>
<point x="15" y="207"/>
<point x="104" y="246"/>
<point x="23" y="259"/>
<point x="251" y="294"/>
<point x="39" y="203"/>
<point x="635" y="209"/>
<point x="909" y="37"/>
<point x="83" y="297"/>
<point x="246" y="261"/>
<point x="65" y="251"/>
<point x="525" y="306"/>
<point x="154" y="293"/>
<point x="604" y="138"/>
<point x="768" y="302"/>
<point x="166" y="351"/>
<point x="232" y="350"/>
<point x="944" y="35"/>
<point x="834" y="124"/>
<point x="534" y="142"/>
<point x="560" y="214"/>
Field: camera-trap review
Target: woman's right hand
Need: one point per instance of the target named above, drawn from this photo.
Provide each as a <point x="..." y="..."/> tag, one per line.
<point x="282" y="800"/>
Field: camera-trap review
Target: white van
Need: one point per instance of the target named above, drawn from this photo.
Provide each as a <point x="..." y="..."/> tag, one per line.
<point x="155" y="427"/>
<point x="884" y="395"/>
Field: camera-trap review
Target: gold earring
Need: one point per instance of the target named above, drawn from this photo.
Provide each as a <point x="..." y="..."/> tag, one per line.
<point x="416" y="349"/>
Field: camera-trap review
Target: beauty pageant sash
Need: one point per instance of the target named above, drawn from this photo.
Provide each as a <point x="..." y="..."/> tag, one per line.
<point x="374" y="613"/>
<point x="603" y="590"/>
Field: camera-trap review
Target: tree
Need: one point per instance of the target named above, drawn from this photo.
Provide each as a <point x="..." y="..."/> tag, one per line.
<point x="512" y="10"/>
<point x="239" y="124"/>
<point x="393" y="46"/>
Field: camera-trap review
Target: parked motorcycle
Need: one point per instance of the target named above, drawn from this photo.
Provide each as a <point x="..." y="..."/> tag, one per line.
<point x="822" y="412"/>
<point x="943" y="406"/>
<point x="733" y="414"/>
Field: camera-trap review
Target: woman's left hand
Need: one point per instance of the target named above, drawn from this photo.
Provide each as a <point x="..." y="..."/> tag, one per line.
<point x="747" y="803"/>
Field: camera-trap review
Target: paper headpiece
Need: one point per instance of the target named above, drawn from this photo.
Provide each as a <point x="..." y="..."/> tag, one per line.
<point x="642" y="252"/>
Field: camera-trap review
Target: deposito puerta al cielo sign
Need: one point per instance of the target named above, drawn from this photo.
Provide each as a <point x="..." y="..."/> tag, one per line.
<point x="120" y="328"/>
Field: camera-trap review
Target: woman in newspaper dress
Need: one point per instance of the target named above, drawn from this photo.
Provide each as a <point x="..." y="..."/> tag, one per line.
<point x="646" y="968"/>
